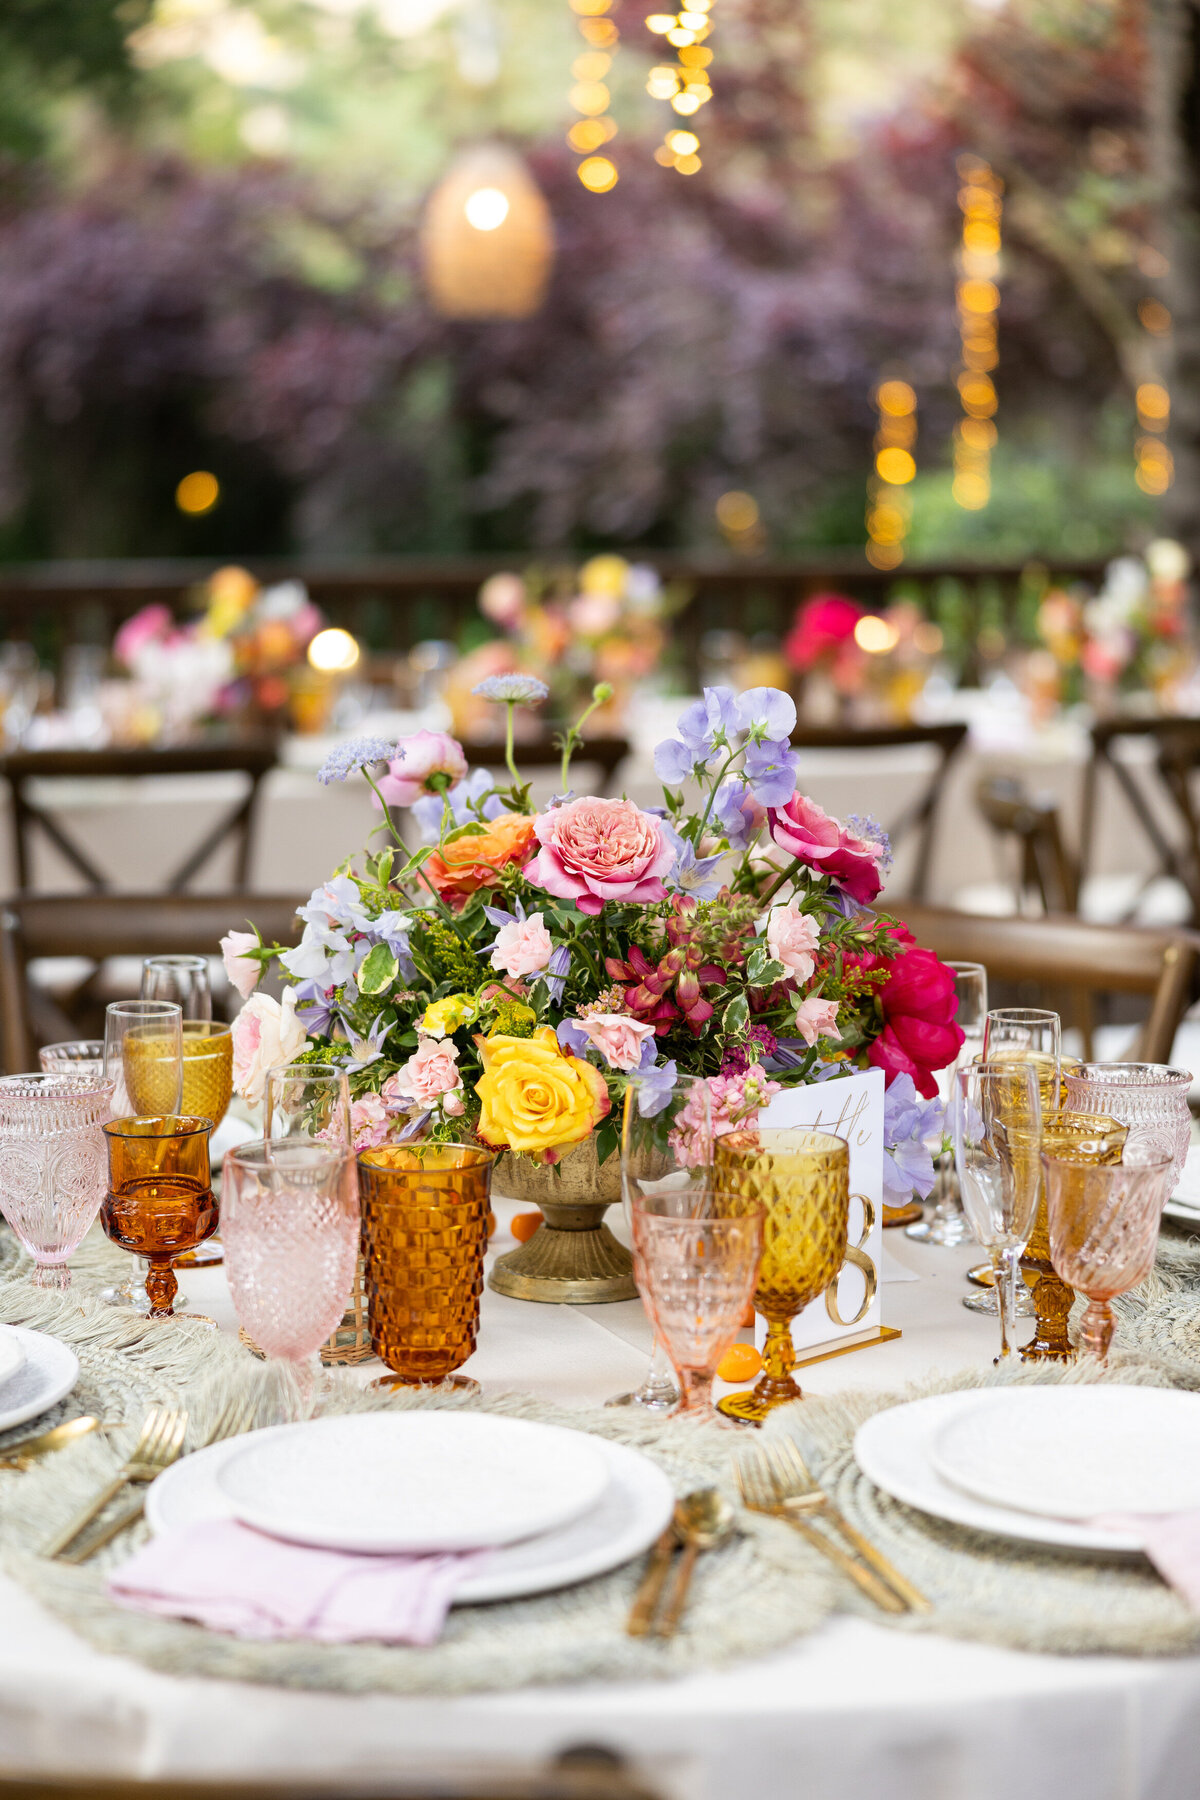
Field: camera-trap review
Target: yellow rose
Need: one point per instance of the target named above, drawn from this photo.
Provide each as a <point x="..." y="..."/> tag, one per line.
<point x="534" y="1097"/>
<point x="445" y="1016"/>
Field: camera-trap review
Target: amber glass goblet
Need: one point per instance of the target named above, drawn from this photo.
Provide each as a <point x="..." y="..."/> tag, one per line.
<point x="1104" y="1231"/>
<point x="801" y="1179"/>
<point x="160" y="1200"/>
<point x="424" y="1232"/>
<point x="1084" y="1138"/>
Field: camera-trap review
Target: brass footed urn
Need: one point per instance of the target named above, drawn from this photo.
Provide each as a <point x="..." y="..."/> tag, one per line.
<point x="572" y="1259"/>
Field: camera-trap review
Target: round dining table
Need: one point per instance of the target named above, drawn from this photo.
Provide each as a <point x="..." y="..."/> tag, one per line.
<point x="852" y="1712"/>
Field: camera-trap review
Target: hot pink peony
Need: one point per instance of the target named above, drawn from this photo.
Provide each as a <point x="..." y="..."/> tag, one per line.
<point x="806" y="831"/>
<point x="429" y="1073"/>
<point x="596" y="850"/>
<point x="618" y="1038"/>
<point x="792" y="938"/>
<point x="817" y="1018"/>
<point x="417" y="759"/>
<point x="243" y="971"/>
<point x="522" y="948"/>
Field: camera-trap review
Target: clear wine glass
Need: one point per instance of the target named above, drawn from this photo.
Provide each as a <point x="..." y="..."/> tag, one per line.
<point x="666" y="1147"/>
<point x="183" y="979"/>
<point x="946" y="1224"/>
<point x="307" y="1102"/>
<point x="997" y="1142"/>
<point x="79" y="1056"/>
<point x="143" y="1058"/>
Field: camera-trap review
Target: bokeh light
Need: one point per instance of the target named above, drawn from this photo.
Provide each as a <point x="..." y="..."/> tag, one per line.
<point x="737" y="511"/>
<point x="197" y="493"/>
<point x="598" y="174"/>
<point x="875" y="635"/>
<point x="333" y="651"/>
<point x="486" y="209"/>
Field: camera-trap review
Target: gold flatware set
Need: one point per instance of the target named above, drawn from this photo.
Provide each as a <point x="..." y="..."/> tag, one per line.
<point x="702" y="1520"/>
<point x="28" y="1451"/>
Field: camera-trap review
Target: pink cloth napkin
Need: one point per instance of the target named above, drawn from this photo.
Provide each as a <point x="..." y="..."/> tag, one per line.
<point x="231" y="1578"/>
<point x="1172" y="1543"/>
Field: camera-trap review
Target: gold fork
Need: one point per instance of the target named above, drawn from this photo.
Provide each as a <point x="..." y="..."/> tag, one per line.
<point x="796" y="1490"/>
<point x="160" y="1442"/>
<point x="234" y="1418"/>
<point x="752" y="1472"/>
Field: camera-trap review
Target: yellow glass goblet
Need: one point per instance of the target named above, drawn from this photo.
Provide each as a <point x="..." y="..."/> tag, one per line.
<point x="801" y="1179"/>
<point x="207" y="1068"/>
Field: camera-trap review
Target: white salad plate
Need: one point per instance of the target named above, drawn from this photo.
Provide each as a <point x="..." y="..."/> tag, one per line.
<point x="12" y="1353"/>
<point x="894" y="1450"/>
<point x="48" y="1370"/>
<point x="634" y="1507"/>
<point x="415" y="1481"/>
<point x="1077" y="1452"/>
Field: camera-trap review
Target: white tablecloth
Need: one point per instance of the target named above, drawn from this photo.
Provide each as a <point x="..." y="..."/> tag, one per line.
<point x="855" y="1712"/>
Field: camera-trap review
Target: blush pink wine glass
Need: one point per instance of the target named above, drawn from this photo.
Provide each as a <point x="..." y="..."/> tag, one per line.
<point x="290" y="1226"/>
<point x="1104" y="1231"/>
<point x="52" y="1164"/>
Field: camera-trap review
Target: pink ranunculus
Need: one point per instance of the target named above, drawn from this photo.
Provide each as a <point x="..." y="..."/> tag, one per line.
<point x="266" y="1034"/>
<point x="243" y="971"/>
<point x="417" y="759"/>
<point x="618" y="1038"/>
<point x="596" y="850"/>
<point x="429" y="1073"/>
<point x="807" y="831"/>
<point x="792" y="937"/>
<point x="370" y="1122"/>
<point x="522" y="948"/>
<point x="817" y="1018"/>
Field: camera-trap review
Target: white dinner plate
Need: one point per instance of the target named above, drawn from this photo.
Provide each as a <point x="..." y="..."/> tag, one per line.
<point x="1077" y="1452"/>
<point x="633" y="1509"/>
<point x="12" y="1353"/>
<point x="413" y="1481"/>
<point x="48" y="1371"/>
<point x="893" y="1450"/>
<point x="1184" y="1204"/>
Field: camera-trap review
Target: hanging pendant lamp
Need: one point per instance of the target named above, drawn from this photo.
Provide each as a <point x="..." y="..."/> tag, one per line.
<point x="487" y="240"/>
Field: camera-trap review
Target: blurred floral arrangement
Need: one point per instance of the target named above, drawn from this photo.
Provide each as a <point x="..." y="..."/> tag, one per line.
<point x="1134" y="636"/>
<point x="572" y="629"/>
<point x="868" y="667"/>
<point x="505" y="977"/>
<point x="237" y="657"/>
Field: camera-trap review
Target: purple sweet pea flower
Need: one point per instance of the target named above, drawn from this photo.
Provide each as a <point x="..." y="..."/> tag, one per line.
<point x="573" y="1038"/>
<point x="673" y="762"/>
<point x="467" y="801"/>
<point x="766" y="713"/>
<point x="708" y="723"/>
<point x="336" y="905"/>
<point x="692" y="874"/>
<point x="912" y="1130"/>
<point x="738" y="814"/>
<point x="557" y="970"/>
<point x="496" y="915"/>
<point x="655" y="1087"/>
<point x="324" y="956"/>
<point x="770" y="770"/>
<point x="392" y="929"/>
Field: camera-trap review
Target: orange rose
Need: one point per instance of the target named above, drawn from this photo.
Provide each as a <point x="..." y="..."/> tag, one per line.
<point x="473" y="862"/>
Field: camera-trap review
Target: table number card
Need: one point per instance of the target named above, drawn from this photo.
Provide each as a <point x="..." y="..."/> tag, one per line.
<point x="851" y="1311"/>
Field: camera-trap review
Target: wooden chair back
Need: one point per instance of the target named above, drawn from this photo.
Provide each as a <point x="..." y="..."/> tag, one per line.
<point x="1176" y="742"/>
<point x="1046" y="869"/>
<point x="21" y="769"/>
<point x="100" y="926"/>
<point x="1065" y="955"/>
<point x="920" y="816"/>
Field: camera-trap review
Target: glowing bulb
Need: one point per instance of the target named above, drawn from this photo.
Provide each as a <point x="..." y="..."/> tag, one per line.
<point x="197" y="493"/>
<point x="683" y="143"/>
<point x="895" y="466"/>
<point x="333" y="651"/>
<point x="895" y="397"/>
<point x="1153" y="401"/>
<point x="686" y="103"/>
<point x="661" y="23"/>
<point x="486" y="208"/>
<point x="875" y="635"/>
<point x="687" y="165"/>
<point x="597" y="174"/>
<point x="737" y="511"/>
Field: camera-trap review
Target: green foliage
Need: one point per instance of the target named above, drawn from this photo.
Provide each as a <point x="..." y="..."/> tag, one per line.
<point x="49" y="48"/>
<point x="441" y="953"/>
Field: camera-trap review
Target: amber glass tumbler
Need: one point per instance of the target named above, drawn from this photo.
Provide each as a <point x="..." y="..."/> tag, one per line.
<point x="424" y="1229"/>
<point x="160" y="1200"/>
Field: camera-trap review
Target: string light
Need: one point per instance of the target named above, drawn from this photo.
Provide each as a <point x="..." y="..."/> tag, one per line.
<point x="1154" y="466"/>
<point x="980" y="200"/>
<point x="685" y="83"/>
<point x="197" y="493"/>
<point x="889" y="504"/>
<point x="590" y="95"/>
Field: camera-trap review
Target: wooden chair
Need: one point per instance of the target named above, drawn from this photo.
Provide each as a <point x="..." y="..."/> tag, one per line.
<point x="606" y="752"/>
<point x="1046" y="870"/>
<point x="920" y="817"/>
<point x="21" y="768"/>
<point x="1066" y="956"/>
<point x="101" y="926"/>
<point x="1176" y="743"/>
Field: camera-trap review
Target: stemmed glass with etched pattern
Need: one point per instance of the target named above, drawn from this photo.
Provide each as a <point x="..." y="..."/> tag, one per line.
<point x="997" y="1129"/>
<point x="1104" y="1230"/>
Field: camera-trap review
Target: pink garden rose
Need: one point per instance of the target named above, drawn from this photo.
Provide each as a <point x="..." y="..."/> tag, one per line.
<point x="522" y="948"/>
<point x="618" y="1038"/>
<point x="791" y="938"/>
<point x="429" y="1073"/>
<point x="266" y="1034"/>
<point x="417" y="758"/>
<point x="817" y="1019"/>
<point x="805" y="830"/>
<point x="243" y="971"/>
<point x="370" y="1122"/>
<point x="596" y="850"/>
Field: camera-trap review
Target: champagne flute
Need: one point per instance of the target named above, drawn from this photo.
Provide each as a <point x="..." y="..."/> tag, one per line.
<point x="143" y="1058"/>
<point x="946" y="1224"/>
<point x="183" y="979"/>
<point x="997" y="1140"/>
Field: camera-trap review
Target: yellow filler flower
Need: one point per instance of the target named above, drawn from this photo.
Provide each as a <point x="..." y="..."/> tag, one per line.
<point x="445" y="1016"/>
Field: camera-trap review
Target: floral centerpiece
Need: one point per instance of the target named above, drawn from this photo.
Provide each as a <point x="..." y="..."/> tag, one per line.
<point x="505" y="976"/>
<point x="1133" y="636"/>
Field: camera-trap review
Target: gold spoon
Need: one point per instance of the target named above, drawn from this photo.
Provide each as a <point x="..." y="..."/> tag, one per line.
<point x="703" y="1519"/>
<point x="23" y="1455"/>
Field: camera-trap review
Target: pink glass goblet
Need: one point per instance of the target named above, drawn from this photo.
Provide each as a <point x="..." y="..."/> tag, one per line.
<point x="1150" y="1098"/>
<point x="696" y="1276"/>
<point x="1104" y="1231"/>
<point x="290" y="1226"/>
<point x="52" y="1164"/>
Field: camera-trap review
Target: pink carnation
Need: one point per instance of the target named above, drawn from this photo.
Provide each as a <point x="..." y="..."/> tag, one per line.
<point x="618" y="1038"/>
<point x="370" y="1122"/>
<point x="806" y="831"/>
<point x="243" y="971"/>
<point x="429" y="1073"/>
<point x="417" y="759"/>
<point x="596" y="850"/>
<point x="816" y="1019"/>
<point x="522" y="948"/>
<point x="791" y="938"/>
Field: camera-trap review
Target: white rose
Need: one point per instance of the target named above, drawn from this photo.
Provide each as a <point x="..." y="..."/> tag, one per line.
<point x="265" y="1034"/>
